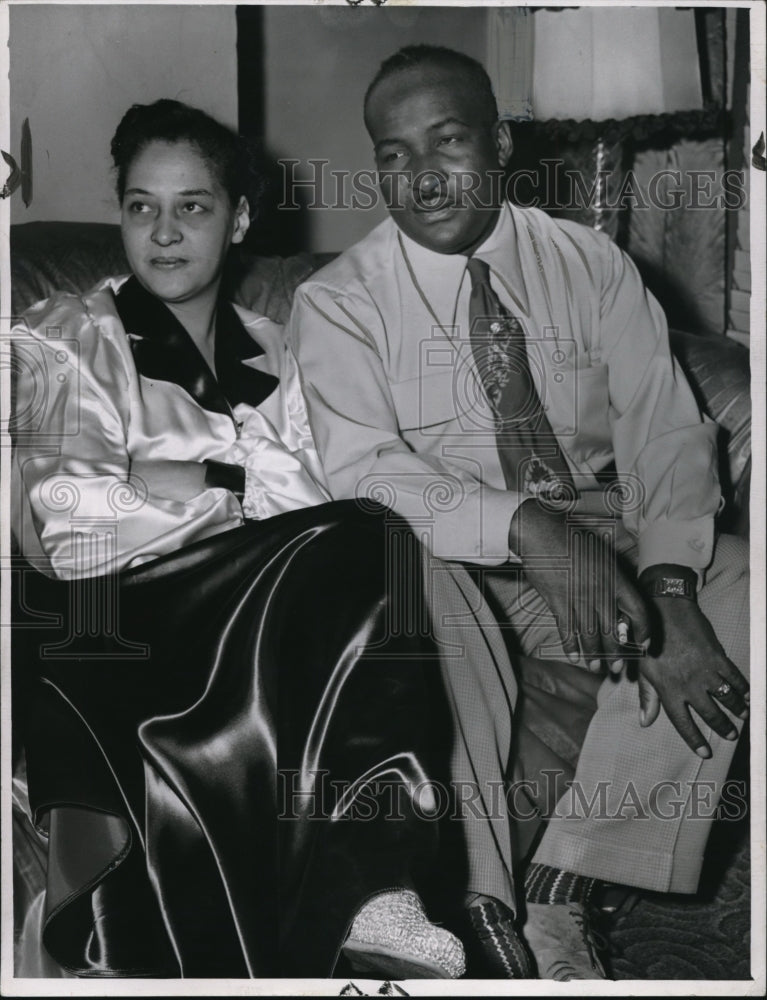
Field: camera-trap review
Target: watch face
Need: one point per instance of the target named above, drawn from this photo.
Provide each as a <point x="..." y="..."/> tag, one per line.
<point x="673" y="586"/>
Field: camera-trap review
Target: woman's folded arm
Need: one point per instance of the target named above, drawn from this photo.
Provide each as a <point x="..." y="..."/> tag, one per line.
<point x="86" y="508"/>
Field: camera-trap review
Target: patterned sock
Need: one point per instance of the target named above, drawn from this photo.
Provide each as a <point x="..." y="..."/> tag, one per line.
<point x="544" y="884"/>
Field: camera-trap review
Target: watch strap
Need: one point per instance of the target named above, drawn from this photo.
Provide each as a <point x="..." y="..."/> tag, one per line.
<point x="222" y="475"/>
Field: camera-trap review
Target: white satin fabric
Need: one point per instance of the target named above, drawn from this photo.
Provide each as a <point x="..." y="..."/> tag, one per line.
<point x="83" y="414"/>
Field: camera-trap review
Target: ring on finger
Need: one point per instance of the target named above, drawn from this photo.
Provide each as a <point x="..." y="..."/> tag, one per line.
<point x="723" y="690"/>
<point x="622" y="629"/>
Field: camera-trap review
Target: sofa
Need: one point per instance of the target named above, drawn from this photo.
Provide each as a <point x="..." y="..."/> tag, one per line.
<point x="556" y="703"/>
<point x="47" y="256"/>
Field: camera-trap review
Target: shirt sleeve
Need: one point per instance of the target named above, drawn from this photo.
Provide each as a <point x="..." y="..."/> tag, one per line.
<point x="354" y="422"/>
<point x="80" y="510"/>
<point x="665" y="449"/>
<point x="282" y="467"/>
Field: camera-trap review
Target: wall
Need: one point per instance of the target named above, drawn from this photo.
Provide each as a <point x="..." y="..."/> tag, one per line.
<point x="74" y="71"/>
<point x="318" y="64"/>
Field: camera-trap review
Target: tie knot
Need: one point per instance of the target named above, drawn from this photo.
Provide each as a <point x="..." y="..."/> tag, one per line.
<point x="479" y="271"/>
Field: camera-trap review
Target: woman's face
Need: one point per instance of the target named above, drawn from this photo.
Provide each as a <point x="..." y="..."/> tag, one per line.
<point x="178" y="222"/>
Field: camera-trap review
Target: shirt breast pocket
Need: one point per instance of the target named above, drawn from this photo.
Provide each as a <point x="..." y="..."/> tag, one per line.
<point x="439" y="402"/>
<point x="580" y="410"/>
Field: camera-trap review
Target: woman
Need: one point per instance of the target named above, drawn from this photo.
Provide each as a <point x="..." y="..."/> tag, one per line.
<point x="214" y="732"/>
<point x="215" y="648"/>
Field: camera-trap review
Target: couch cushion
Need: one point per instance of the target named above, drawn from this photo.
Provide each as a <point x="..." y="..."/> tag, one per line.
<point x="266" y="284"/>
<point x="47" y="257"/>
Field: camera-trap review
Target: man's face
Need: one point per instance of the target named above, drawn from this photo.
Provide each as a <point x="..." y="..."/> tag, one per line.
<point x="439" y="164"/>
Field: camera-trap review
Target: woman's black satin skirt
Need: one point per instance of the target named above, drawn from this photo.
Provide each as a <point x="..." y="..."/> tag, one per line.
<point x="225" y="743"/>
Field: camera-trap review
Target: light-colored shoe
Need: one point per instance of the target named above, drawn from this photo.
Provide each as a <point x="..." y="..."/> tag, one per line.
<point x="562" y="942"/>
<point x="392" y="938"/>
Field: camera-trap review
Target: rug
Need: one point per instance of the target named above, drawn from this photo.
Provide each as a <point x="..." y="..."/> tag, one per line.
<point x="684" y="937"/>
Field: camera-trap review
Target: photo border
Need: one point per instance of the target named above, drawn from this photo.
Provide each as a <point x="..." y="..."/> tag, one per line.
<point x="13" y="986"/>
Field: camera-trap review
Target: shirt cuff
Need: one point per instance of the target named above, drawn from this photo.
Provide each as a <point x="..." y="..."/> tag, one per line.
<point x="498" y="508"/>
<point x="684" y="543"/>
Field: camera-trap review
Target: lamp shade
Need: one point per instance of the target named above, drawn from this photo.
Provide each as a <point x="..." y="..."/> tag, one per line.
<point x="604" y="62"/>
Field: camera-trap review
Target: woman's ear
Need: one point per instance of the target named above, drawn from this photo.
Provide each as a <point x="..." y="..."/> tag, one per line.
<point x="504" y="144"/>
<point x="241" y="220"/>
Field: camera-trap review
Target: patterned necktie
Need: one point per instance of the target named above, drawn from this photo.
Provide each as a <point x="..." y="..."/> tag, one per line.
<point x="530" y="456"/>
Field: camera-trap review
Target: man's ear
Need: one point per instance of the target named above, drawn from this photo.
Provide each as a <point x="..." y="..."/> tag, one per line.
<point x="504" y="144"/>
<point x="241" y="220"/>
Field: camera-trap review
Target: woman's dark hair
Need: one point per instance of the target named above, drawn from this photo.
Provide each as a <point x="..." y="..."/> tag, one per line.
<point x="226" y="153"/>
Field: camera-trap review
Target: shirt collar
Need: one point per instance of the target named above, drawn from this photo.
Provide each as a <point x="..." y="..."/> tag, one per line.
<point x="501" y="251"/>
<point x="439" y="276"/>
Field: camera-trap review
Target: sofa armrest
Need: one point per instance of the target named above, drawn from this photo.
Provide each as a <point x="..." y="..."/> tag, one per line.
<point x="718" y="370"/>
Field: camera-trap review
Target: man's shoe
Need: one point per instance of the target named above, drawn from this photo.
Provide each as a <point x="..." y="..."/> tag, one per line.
<point x="562" y="942"/>
<point x="392" y="938"/>
<point x="493" y="947"/>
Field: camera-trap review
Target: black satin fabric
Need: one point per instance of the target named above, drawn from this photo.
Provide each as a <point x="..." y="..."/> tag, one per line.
<point x="162" y="349"/>
<point x="190" y="754"/>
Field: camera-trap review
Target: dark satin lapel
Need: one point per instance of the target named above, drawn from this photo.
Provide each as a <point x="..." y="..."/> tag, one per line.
<point x="238" y="382"/>
<point x="163" y="350"/>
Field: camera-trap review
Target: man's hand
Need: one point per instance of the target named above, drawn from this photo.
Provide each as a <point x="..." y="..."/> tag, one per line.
<point x="683" y="670"/>
<point x="586" y="591"/>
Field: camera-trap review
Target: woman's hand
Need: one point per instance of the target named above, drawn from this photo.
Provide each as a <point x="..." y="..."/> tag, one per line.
<point x="586" y="591"/>
<point x="168" y="480"/>
<point x="684" y="671"/>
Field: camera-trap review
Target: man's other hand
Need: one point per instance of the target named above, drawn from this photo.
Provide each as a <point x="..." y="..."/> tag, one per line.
<point x="686" y="668"/>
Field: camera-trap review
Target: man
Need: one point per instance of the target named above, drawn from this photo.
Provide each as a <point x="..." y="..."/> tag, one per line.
<point x="517" y="364"/>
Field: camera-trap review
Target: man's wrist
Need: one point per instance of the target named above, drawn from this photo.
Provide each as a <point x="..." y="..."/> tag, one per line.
<point x="669" y="580"/>
<point x="515" y="525"/>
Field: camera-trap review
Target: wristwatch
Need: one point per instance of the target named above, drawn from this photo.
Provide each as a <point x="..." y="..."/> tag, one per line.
<point x="669" y="581"/>
<point x="672" y="586"/>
